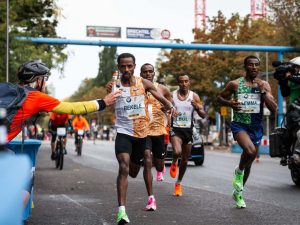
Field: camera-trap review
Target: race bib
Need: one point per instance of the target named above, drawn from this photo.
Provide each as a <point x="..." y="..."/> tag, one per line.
<point x="250" y="102"/>
<point x="132" y="107"/>
<point x="183" y="120"/>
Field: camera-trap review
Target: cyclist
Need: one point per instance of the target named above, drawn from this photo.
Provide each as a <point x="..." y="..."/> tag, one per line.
<point x="58" y="120"/>
<point x="79" y="123"/>
<point x="33" y="75"/>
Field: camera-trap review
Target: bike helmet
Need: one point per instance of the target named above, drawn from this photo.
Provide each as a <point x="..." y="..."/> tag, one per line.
<point x="296" y="61"/>
<point x="32" y="70"/>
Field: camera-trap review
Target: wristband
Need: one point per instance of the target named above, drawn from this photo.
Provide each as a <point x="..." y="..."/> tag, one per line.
<point x="101" y="104"/>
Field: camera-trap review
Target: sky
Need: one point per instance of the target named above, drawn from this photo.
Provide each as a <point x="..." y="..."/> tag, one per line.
<point x="83" y="61"/>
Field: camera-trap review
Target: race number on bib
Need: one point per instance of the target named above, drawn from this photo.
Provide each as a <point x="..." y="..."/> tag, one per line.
<point x="133" y="106"/>
<point x="183" y="120"/>
<point x="250" y="102"/>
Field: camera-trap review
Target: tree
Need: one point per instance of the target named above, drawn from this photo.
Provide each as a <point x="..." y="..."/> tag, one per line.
<point x="30" y="18"/>
<point x="209" y="71"/>
<point x="107" y="65"/>
<point x="286" y="14"/>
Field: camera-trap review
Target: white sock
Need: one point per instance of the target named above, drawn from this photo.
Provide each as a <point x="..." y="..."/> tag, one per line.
<point x="151" y="196"/>
<point x="121" y="208"/>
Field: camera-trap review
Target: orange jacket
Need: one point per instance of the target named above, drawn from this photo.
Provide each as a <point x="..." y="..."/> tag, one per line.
<point x="80" y="124"/>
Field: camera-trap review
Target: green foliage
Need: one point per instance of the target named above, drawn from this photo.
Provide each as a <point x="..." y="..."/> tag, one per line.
<point x="31" y="18"/>
<point x="107" y="65"/>
<point x="286" y="15"/>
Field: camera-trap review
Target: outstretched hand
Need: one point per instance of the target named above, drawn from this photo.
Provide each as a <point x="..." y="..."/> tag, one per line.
<point x="111" y="98"/>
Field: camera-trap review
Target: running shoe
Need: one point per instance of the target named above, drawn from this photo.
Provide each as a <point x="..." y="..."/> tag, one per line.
<point x="238" y="180"/>
<point x="159" y="176"/>
<point x="151" y="206"/>
<point x="177" y="191"/>
<point x="122" y="218"/>
<point x="173" y="170"/>
<point x="239" y="200"/>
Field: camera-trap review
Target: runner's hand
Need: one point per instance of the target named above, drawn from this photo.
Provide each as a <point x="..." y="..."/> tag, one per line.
<point x="109" y="87"/>
<point x="111" y="98"/>
<point x="235" y="105"/>
<point x="263" y="85"/>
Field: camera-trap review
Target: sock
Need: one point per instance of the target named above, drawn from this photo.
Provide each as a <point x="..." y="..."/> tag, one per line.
<point x="151" y="196"/>
<point x="121" y="208"/>
<point x="237" y="169"/>
<point x="178" y="181"/>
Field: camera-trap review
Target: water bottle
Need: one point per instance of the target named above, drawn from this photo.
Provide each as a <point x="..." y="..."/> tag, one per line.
<point x="3" y="129"/>
<point x="116" y="79"/>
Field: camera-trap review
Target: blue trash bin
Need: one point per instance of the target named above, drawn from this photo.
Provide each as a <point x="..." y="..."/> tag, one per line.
<point x="30" y="148"/>
<point x="16" y="171"/>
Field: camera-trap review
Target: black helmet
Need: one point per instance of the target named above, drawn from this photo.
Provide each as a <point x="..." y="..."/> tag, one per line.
<point x="32" y="70"/>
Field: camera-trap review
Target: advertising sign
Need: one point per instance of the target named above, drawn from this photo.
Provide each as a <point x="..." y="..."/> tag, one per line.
<point x="165" y="34"/>
<point x="143" y="33"/>
<point x="102" y="31"/>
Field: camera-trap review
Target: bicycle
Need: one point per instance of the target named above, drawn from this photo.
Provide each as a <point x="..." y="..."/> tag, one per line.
<point x="59" y="148"/>
<point x="80" y="135"/>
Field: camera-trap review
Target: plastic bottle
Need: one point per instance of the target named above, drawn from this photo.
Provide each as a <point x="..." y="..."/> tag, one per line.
<point x="116" y="79"/>
<point x="3" y="129"/>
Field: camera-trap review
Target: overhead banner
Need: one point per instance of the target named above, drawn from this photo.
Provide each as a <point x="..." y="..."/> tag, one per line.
<point x="143" y="33"/>
<point x="102" y="31"/>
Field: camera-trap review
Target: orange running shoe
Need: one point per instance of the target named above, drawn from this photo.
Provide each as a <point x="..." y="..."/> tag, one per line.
<point x="173" y="170"/>
<point x="177" y="191"/>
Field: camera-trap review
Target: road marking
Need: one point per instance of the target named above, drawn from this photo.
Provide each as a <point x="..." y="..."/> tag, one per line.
<point x="78" y="204"/>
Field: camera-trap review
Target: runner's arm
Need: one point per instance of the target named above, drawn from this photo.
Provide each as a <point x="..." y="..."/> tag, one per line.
<point x="198" y="106"/>
<point x="149" y="86"/>
<point x="225" y="95"/>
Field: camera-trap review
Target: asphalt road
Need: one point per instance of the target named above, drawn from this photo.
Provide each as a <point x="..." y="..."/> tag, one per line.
<point x="85" y="191"/>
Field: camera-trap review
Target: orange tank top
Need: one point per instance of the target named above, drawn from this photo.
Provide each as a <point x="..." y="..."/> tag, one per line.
<point x="158" y="119"/>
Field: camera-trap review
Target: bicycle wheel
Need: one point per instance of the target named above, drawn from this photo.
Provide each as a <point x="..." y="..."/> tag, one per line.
<point x="79" y="146"/>
<point x="57" y="159"/>
<point x="61" y="155"/>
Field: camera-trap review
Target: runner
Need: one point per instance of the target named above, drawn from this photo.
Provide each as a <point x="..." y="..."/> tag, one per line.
<point x="155" y="146"/>
<point x="250" y="95"/>
<point x="132" y="122"/>
<point x="181" y="132"/>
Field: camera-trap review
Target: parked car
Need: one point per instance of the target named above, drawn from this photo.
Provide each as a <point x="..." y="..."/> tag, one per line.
<point x="197" y="152"/>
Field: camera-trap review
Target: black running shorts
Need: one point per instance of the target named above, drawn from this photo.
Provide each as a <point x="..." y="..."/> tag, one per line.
<point x="157" y="145"/>
<point x="135" y="147"/>
<point x="185" y="134"/>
